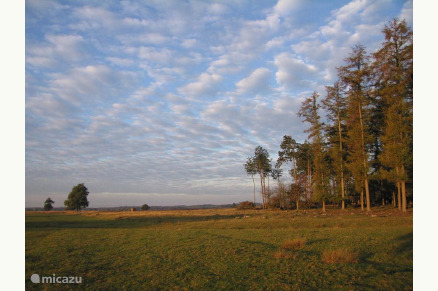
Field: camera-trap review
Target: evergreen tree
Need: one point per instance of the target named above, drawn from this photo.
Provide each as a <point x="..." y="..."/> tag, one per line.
<point x="310" y="112"/>
<point x="394" y="85"/>
<point x="334" y="105"/>
<point x="355" y="77"/>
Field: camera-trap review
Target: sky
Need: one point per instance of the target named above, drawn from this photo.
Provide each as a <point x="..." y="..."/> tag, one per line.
<point x="161" y="102"/>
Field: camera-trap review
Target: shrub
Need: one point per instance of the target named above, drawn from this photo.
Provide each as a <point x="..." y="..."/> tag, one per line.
<point x="145" y="207"/>
<point x="339" y="256"/>
<point x="246" y="205"/>
<point x="295" y="244"/>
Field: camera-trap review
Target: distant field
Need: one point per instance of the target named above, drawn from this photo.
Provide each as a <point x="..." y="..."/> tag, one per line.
<point x="222" y="249"/>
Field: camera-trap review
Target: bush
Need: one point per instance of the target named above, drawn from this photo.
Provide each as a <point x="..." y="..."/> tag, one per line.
<point x="145" y="207"/>
<point x="246" y="205"/>
<point x="295" y="244"/>
<point x="339" y="256"/>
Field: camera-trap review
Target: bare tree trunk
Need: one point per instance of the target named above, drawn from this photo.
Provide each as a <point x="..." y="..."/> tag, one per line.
<point x="254" y="188"/>
<point x="399" y="195"/>
<point x="268" y="194"/>
<point x="403" y="194"/>
<point x="323" y="205"/>
<point x="367" y="191"/>
<point x="361" y="200"/>
<point x="263" y="194"/>
<point x="403" y="191"/>
<point x="295" y="182"/>
<point x="342" y="163"/>
<point x="393" y="199"/>
<point x="309" y="171"/>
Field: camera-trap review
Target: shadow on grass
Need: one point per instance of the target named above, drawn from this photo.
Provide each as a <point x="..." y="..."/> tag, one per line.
<point x="406" y="244"/>
<point x="121" y="222"/>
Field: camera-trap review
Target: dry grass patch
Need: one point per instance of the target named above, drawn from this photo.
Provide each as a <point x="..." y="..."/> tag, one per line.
<point x="340" y="256"/>
<point x="283" y="254"/>
<point x="295" y="244"/>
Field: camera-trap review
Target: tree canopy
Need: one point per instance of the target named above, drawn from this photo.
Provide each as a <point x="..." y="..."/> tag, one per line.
<point x="48" y="204"/>
<point x="77" y="198"/>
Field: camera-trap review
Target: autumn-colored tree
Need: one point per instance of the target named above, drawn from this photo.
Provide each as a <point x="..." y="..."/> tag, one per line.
<point x="393" y="68"/>
<point x="355" y="77"/>
<point x="335" y="106"/>
<point x="309" y="111"/>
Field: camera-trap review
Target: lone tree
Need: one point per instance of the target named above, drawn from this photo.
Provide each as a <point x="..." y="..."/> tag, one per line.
<point x="251" y="169"/>
<point x="48" y="204"/>
<point x="77" y="198"/>
<point x="145" y="207"/>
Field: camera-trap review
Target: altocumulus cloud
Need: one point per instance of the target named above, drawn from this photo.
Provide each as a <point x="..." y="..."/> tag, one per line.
<point x="160" y="102"/>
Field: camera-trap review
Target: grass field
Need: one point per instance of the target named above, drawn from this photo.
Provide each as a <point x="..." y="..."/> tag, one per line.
<point x="222" y="249"/>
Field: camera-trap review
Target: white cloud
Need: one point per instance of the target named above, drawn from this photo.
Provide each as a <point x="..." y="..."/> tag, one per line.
<point x="205" y="86"/>
<point x="407" y="12"/>
<point x="155" y="55"/>
<point x="286" y="7"/>
<point x="257" y="82"/>
<point x="57" y="48"/>
<point x="294" y="73"/>
<point x="90" y="83"/>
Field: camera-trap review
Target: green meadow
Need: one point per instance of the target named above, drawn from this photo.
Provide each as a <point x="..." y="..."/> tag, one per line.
<point x="222" y="249"/>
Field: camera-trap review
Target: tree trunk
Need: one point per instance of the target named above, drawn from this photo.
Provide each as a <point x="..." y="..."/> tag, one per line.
<point x="367" y="191"/>
<point x="399" y="195"/>
<point x="361" y="200"/>
<point x="403" y="194"/>
<point x="365" y="164"/>
<point x="393" y="199"/>
<point x="295" y="182"/>
<point x="323" y="205"/>
<point x="403" y="191"/>
<point x="268" y="194"/>
<point x="263" y="194"/>
<point x="309" y="173"/>
<point x="342" y="163"/>
<point x="254" y="188"/>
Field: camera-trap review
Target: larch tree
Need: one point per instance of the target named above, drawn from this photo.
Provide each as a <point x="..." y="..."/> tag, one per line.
<point x="309" y="111"/>
<point x="355" y="77"/>
<point x="394" y="84"/>
<point x="335" y="106"/>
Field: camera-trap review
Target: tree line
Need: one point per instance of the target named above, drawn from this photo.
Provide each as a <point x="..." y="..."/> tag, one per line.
<point x="360" y="134"/>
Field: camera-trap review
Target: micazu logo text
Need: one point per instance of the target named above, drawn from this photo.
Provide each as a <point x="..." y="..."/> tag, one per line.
<point x="35" y="278"/>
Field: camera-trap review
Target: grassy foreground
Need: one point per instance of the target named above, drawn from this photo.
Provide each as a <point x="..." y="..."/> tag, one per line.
<point x="222" y="249"/>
